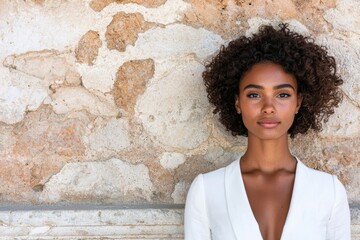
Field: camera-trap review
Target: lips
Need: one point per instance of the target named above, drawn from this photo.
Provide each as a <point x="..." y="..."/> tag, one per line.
<point x="269" y="122"/>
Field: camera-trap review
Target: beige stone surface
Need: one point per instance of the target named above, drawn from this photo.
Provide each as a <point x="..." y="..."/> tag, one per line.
<point x="98" y="5"/>
<point x="57" y="24"/>
<point x="175" y="42"/>
<point x="38" y="134"/>
<point x="344" y="16"/>
<point x="171" y="160"/>
<point x="113" y="136"/>
<point x="131" y="79"/>
<point x="48" y="65"/>
<point x="175" y="117"/>
<point x="163" y="180"/>
<point x="98" y="79"/>
<point x="19" y="93"/>
<point x="88" y="47"/>
<point x="344" y="123"/>
<point x="179" y="194"/>
<point x="90" y="222"/>
<point x="168" y="13"/>
<point x="39" y="1"/>
<point x="70" y="99"/>
<point x="346" y="51"/>
<point x="228" y="18"/>
<point x="96" y="181"/>
<point x="124" y="29"/>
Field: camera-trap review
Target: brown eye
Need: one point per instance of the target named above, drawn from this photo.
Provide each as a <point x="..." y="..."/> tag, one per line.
<point x="284" y="95"/>
<point x="253" y="95"/>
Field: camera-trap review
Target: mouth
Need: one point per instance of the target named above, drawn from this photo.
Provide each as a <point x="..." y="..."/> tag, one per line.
<point x="269" y="123"/>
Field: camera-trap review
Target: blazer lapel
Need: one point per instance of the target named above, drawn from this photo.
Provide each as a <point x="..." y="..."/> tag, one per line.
<point x="242" y="219"/>
<point x="298" y="201"/>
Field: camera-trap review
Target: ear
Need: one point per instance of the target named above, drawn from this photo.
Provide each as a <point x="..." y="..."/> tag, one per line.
<point x="299" y="101"/>
<point x="237" y="104"/>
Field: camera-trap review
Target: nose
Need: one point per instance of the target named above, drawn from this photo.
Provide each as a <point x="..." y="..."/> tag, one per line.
<point x="268" y="106"/>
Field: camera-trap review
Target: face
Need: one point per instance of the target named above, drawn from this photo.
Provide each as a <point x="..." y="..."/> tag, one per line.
<point x="268" y="101"/>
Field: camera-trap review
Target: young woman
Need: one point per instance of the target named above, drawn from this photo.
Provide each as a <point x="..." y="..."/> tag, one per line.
<point x="266" y="87"/>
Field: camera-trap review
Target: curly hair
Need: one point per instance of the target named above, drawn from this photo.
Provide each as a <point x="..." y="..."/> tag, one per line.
<point x="310" y="64"/>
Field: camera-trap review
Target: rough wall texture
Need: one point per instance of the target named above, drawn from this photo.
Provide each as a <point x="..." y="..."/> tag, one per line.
<point x="102" y="101"/>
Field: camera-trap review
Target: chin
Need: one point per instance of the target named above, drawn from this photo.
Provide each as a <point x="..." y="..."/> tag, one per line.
<point x="269" y="135"/>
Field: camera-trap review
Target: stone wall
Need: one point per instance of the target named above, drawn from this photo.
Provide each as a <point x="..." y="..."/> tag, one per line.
<point x="102" y="103"/>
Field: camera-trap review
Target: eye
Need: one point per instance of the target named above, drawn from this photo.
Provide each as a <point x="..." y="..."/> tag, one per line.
<point x="253" y="95"/>
<point x="284" y="95"/>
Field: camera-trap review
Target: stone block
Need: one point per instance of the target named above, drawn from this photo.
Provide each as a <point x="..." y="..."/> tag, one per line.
<point x="174" y="107"/>
<point x="124" y="30"/>
<point x="193" y="166"/>
<point x="178" y="42"/>
<point x="113" y="136"/>
<point x="99" y="78"/>
<point x="88" y="47"/>
<point x="344" y="16"/>
<point x="344" y="123"/>
<point x="19" y="93"/>
<point x="99" y="5"/>
<point x="69" y="99"/>
<point x="218" y="156"/>
<point x="131" y="79"/>
<point x="39" y="134"/>
<point x="172" y="160"/>
<point x="49" y="65"/>
<point x="7" y="140"/>
<point x="353" y="187"/>
<point x="162" y="179"/>
<point x="100" y="182"/>
<point x="346" y="53"/>
<point x="179" y="193"/>
<point x="214" y="15"/>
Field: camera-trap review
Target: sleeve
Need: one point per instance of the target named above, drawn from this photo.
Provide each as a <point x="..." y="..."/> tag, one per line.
<point x="339" y="223"/>
<point x="196" y="218"/>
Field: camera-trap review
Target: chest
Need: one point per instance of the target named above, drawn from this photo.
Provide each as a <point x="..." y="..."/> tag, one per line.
<point x="269" y="197"/>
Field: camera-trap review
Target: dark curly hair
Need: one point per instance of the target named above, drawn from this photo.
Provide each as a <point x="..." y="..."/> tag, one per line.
<point x="310" y="64"/>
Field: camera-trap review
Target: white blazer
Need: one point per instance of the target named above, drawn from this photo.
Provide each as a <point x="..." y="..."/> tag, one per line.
<point x="217" y="207"/>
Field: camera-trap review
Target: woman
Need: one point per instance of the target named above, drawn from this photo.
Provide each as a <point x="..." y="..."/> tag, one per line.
<point x="266" y="87"/>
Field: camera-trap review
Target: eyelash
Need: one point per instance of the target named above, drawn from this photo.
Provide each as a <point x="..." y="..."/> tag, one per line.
<point x="285" y="95"/>
<point x="256" y="95"/>
<point x="251" y="95"/>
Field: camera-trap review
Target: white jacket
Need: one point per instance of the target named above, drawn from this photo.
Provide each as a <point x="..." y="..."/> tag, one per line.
<point x="217" y="207"/>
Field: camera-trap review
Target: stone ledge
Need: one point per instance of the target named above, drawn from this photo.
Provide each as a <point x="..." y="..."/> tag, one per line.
<point x="105" y="223"/>
<point x="148" y="222"/>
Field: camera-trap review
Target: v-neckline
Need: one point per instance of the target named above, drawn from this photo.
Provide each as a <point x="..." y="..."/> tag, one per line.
<point x="248" y="206"/>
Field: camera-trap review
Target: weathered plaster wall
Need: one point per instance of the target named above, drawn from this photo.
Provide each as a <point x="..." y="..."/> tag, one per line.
<point x="102" y="102"/>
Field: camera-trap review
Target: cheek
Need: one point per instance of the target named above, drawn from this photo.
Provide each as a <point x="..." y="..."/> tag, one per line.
<point x="287" y="106"/>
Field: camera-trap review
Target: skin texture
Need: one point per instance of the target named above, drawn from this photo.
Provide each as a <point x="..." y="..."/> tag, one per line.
<point x="268" y="100"/>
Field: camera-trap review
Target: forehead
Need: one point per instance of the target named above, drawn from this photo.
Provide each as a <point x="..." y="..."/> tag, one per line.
<point x="267" y="74"/>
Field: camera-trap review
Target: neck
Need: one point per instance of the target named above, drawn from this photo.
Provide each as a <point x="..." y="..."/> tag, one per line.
<point x="268" y="155"/>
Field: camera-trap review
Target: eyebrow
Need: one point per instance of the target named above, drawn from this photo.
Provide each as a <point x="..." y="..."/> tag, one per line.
<point x="285" y="85"/>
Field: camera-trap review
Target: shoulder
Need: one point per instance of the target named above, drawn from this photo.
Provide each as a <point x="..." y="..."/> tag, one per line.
<point x="218" y="175"/>
<point x="213" y="180"/>
<point x="320" y="182"/>
<point x="313" y="174"/>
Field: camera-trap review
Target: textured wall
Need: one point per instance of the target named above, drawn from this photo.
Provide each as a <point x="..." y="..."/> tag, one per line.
<point x="102" y="102"/>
